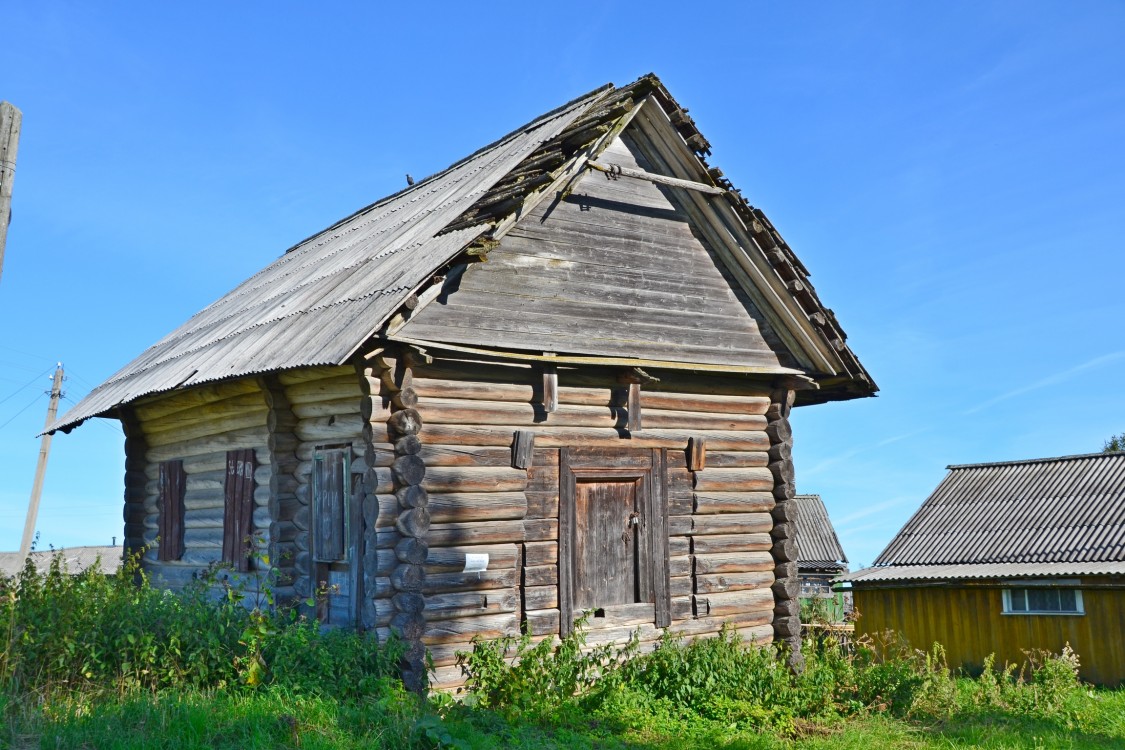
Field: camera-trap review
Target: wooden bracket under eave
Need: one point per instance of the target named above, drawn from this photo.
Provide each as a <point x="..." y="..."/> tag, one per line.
<point x="550" y="388"/>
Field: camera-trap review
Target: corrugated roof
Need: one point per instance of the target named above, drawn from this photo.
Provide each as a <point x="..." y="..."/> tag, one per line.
<point x="74" y="559"/>
<point x="818" y="547"/>
<point x="982" y="571"/>
<point x="1069" y="509"/>
<point x="321" y="300"/>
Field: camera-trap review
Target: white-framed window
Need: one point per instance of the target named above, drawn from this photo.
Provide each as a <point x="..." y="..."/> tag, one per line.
<point x="1056" y="599"/>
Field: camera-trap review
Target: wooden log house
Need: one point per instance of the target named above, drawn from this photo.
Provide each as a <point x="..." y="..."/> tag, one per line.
<point x="553" y="378"/>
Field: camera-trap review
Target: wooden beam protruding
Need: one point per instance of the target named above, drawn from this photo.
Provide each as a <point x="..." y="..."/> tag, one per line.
<point x="523" y="449"/>
<point x="550" y="388"/>
<point x="696" y="454"/>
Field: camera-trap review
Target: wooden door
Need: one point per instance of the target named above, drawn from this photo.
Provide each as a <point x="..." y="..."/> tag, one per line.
<point x="605" y="541"/>
<point x="613" y="532"/>
<point x="334" y="531"/>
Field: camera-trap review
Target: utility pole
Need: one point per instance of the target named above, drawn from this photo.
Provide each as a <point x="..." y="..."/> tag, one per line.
<point x="10" y="120"/>
<point x="41" y="467"/>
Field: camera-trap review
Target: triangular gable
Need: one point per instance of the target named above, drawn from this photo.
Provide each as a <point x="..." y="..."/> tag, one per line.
<point x="325" y="298"/>
<point x="614" y="269"/>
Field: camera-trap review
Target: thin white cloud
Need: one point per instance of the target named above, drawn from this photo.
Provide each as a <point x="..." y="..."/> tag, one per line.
<point x="1047" y="381"/>
<point x="852" y="452"/>
<point x="870" y="510"/>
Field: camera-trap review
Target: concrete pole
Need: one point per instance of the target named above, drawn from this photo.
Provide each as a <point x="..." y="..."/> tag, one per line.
<point x="41" y="467"/>
<point x="10" y="120"/>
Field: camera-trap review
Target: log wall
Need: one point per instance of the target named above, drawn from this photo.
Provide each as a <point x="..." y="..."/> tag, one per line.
<point x="721" y="553"/>
<point x="197" y="426"/>
<point x="320" y="407"/>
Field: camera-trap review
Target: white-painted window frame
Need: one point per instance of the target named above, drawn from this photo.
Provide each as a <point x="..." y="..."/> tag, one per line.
<point x="1023" y="586"/>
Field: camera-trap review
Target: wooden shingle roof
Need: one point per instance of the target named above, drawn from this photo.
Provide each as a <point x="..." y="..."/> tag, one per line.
<point x="324" y="298"/>
<point x="1049" y="516"/>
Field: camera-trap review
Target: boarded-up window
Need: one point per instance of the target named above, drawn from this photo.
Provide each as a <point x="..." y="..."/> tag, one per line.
<point x="238" y="508"/>
<point x="330" y="503"/>
<point x="171" y="504"/>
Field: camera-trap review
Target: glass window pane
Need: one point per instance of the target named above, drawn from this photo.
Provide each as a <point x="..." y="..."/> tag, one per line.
<point x="1043" y="600"/>
<point x="1019" y="600"/>
<point x="1068" y="601"/>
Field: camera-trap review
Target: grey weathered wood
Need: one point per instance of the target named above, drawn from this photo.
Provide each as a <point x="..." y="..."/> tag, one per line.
<point x="566" y="543"/>
<point x="238" y="491"/>
<point x="523" y="449"/>
<point x="550" y="388"/>
<point x="697" y="454"/>
<point x="330" y="490"/>
<point x="10" y="122"/>
<point x="659" y="179"/>
<point x="658" y="528"/>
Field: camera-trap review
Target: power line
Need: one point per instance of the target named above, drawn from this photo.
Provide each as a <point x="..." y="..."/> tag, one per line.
<point x="27" y="385"/>
<point x="21" y="411"/>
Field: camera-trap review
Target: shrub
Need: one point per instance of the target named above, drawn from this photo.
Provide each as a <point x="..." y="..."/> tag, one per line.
<point x="91" y="632"/>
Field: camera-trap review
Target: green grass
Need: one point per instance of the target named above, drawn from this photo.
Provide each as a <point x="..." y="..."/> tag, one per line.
<point x="272" y="718"/>
<point x="93" y="662"/>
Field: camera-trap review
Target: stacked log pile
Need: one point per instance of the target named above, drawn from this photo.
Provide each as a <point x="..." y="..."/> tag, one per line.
<point x="197" y="426"/>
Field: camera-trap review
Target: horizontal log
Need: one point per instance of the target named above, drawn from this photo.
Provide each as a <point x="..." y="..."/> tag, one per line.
<point x="452" y="559"/>
<point x="679" y="546"/>
<point x="679" y="565"/>
<point x="734" y="562"/>
<point x="562" y="437"/>
<point x="212" y="413"/>
<point x="341" y="408"/>
<point x="249" y="437"/>
<point x="541" y="575"/>
<point x="735" y="602"/>
<point x="194" y="558"/>
<point x="475" y="479"/>
<point x="540" y="597"/>
<point x="733" y="480"/>
<point x="315" y="374"/>
<point x="467" y="533"/>
<point x="786" y="588"/>
<point x="467" y="604"/>
<point x="681" y="585"/>
<point x="438" y="583"/>
<point x="714" y="584"/>
<point x="333" y="389"/>
<point x="476" y="506"/>
<point x="540" y="529"/>
<point x="455" y="455"/>
<point x="380" y="510"/>
<point x="543" y="621"/>
<point x="541" y="553"/>
<point x="707" y="503"/>
<point x="785" y="550"/>
<point x="484" y="626"/>
<point x="542" y="504"/>
<point x="682" y="607"/>
<point x="329" y="430"/>
<point x="736" y="459"/>
<point x="758" y="635"/>
<point x="527" y="414"/>
<point x="704" y="544"/>
<point x="725" y="523"/>
<point x="157" y="406"/>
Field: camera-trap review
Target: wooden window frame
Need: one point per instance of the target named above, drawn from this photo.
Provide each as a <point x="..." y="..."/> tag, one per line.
<point x="172" y="486"/>
<point x="319" y="454"/>
<point x="238" y="509"/>
<point x="652" y="554"/>
<point x="1008" y="596"/>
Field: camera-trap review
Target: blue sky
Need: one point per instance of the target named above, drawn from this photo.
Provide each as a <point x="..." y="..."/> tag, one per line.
<point x="953" y="174"/>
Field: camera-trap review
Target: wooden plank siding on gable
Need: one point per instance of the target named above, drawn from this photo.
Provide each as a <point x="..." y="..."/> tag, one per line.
<point x="614" y="269"/>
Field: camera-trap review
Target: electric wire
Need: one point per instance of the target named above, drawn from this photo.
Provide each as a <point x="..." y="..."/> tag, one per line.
<point x="21" y="411"/>
<point x="26" y="385"/>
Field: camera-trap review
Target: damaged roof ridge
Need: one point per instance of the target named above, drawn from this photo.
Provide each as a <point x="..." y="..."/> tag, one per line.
<point x="535" y="124"/>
